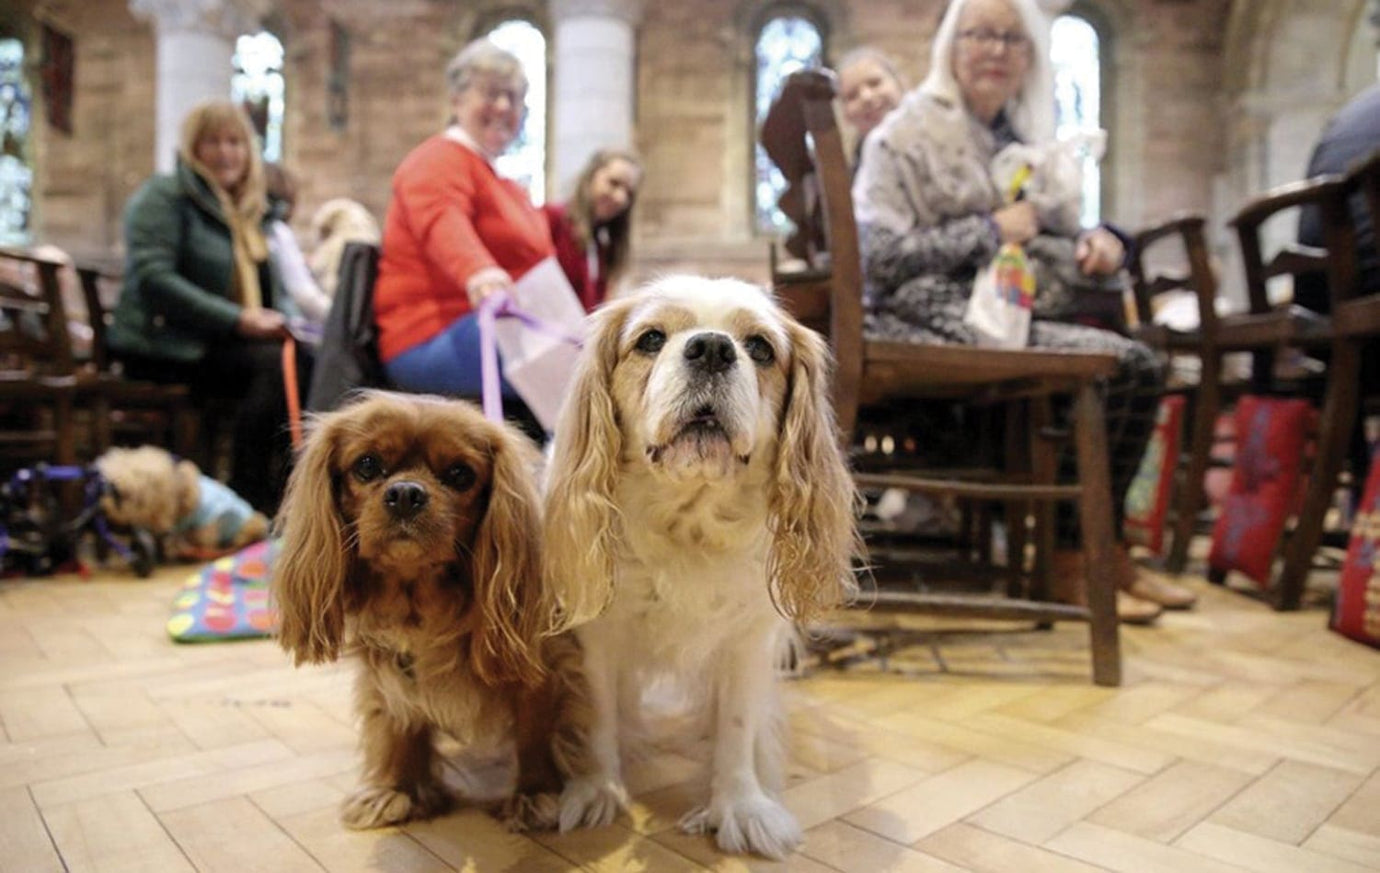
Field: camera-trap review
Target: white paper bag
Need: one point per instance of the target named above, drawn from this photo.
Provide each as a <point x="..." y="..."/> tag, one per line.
<point x="539" y="364"/>
<point x="999" y="307"/>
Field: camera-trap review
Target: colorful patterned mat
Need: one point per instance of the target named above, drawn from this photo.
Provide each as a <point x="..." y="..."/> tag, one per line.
<point x="226" y="599"/>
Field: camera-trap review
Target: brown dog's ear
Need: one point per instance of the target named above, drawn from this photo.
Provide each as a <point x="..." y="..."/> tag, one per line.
<point x="581" y="516"/>
<point x="812" y="504"/>
<point x="311" y="569"/>
<point x="507" y="568"/>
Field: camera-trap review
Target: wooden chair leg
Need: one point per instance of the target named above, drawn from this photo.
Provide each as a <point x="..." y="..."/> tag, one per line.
<point x="100" y="426"/>
<point x="1095" y="520"/>
<point x="185" y="432"/>
<point x="1207" y="401"/>
<point x="1334" y="440"/>
<point x="1044" y="470"/>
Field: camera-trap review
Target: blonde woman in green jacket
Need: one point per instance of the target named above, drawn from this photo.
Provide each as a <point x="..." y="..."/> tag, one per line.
<point x="202" y="302"/>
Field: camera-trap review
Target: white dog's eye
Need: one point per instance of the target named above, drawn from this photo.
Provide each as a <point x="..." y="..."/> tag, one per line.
<point x="650" y="341"/>
<point x="367" y="468"/>
<point x="759" y="349"/>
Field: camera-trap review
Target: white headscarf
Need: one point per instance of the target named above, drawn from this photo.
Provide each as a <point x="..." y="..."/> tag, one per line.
<point x="1031" y="111"/>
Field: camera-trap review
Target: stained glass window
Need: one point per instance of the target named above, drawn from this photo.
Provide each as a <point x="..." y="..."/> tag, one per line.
<point x="525" y="160"/>
<point x="16" y="176"/>
<point x="785" y="44"/>
<point x="1077" y="61"/>
<point x="257" y="83"/>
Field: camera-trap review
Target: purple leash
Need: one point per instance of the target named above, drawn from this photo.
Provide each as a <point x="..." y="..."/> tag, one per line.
<point x="501" y="305"/>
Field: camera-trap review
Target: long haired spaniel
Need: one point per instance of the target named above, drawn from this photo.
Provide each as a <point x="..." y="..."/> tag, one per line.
<point x="697" y="504"/>
<point x="411" y="539"/>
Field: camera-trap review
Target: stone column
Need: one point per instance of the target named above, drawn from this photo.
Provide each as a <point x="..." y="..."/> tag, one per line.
<point x="592" y="94"/>
<point x="1375" y="26"/>
<point x="196" y="42"/>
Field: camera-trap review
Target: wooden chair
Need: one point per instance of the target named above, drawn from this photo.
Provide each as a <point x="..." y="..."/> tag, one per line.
<point x="828" y="296"/>
<point x="133" y="409"/>
<point x="1263" y="330"/>
<point x="38" y="382"/>
<point x="1152" y="282"/>
<point x="1355" y="322"/>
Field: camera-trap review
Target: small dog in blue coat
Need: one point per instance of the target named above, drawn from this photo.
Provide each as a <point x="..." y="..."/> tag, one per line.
<point x="190" y="513"/>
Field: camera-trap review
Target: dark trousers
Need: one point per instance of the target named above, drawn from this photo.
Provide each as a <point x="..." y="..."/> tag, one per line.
<point x="249" y="373"/>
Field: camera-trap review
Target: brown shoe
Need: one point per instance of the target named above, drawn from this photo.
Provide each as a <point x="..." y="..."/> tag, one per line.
<point x="1131" y="609"/>
<point x="1068" y="586"/>
<point x="1157" y="589"/>
<point x="1149" y="585"/>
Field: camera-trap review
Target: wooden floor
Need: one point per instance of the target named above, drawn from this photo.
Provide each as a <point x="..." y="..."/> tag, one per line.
<point x="1242" y="740"/>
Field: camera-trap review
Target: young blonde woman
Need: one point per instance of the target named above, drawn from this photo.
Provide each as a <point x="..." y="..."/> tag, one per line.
<point x="869" y="88"/>
<point x="593" y="231"/>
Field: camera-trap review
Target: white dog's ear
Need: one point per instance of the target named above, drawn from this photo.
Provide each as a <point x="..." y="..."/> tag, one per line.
<point x="310" y="572"/>
<point x="581" y="516"/>
<point x="814" y="534"/>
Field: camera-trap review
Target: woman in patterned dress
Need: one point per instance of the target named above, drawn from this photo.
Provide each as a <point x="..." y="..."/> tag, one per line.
<point x="931" y="216"/>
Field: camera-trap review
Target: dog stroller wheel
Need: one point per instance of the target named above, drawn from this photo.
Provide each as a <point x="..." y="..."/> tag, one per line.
<point x="144" y="553"/>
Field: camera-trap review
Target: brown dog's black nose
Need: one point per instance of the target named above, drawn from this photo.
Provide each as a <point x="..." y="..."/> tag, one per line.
<point x="710" y="352"/>
<point x="405" y="499"/>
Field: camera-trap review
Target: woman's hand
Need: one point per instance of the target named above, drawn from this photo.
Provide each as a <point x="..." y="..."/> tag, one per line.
<point x="1017" y="223"/>
<point x="261" y="324"/>
<point x="1099" y="252"/>
<point x="486" y="287"/>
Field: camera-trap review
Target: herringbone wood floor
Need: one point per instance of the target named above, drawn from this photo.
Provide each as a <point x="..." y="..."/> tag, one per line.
<point x="1242" y="740"/>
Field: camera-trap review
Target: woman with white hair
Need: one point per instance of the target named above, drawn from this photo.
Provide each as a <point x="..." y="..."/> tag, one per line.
<point x="456" y="231"/>
<point x="931" y="215"/>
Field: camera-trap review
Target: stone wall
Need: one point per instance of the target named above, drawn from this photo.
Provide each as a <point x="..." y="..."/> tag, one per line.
<point x="1176" y="131"/>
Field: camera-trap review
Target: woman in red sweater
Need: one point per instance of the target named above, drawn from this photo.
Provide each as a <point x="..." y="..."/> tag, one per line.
<point x="456" y="232"/>
<point x="593" y="232"/>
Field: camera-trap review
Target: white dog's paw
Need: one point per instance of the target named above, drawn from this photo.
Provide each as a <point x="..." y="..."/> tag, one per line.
<point x="755" y="823"/>
<point x="376" y="807"/>
<point x="591" y="802"/>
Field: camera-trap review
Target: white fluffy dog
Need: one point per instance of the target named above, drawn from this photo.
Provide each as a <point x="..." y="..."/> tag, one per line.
<point x="697" y="504"/>
<point x="336" y="223"/>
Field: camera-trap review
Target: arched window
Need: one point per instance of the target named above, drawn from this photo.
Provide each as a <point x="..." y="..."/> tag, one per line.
<point x="788" y="41"/>
<point x="525" y="160"/>
<point x="1077" y="58"/>
<point x="16" y="176"/>
<point x="258" y="85"/>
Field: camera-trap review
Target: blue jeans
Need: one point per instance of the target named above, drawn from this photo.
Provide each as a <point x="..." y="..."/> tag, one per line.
<point x="448" y="363"/>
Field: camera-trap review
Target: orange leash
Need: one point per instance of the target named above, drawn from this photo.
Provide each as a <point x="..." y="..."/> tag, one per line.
<point x="294" y="398"/>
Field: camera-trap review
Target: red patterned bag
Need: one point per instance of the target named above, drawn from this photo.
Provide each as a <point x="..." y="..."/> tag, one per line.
<point x="1356" y="611"/>
<point x="1271" y="437"/>
<point x="1147" y="500"/>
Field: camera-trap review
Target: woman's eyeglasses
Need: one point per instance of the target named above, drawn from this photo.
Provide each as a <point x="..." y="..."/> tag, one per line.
<point x="988" y="39"/>
<point x="492" y="93"/>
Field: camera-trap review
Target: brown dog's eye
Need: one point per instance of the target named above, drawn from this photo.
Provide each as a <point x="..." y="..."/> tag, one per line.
<point x="458" y="476"/>
<point x="759" y="349"/>
<point x="651" y="341"/>
<point x="368" y="468"/>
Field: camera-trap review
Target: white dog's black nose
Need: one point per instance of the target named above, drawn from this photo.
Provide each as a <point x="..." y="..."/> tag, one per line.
<point x="405" y="499"/>
<point x="710" y="352"/>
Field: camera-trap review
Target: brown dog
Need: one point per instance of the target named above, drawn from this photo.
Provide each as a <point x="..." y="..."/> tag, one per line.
<point x="411" y="539"/>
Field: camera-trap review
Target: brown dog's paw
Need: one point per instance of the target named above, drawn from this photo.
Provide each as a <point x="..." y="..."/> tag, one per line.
<point x="376" y="807"/>
<point x="532" y="812"/>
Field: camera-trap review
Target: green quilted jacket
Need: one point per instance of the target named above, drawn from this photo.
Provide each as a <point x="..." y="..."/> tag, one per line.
<point x="178" y="266"/>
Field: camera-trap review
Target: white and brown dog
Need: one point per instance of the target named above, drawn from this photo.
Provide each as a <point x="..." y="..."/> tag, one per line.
<point x="697" y="504"/>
